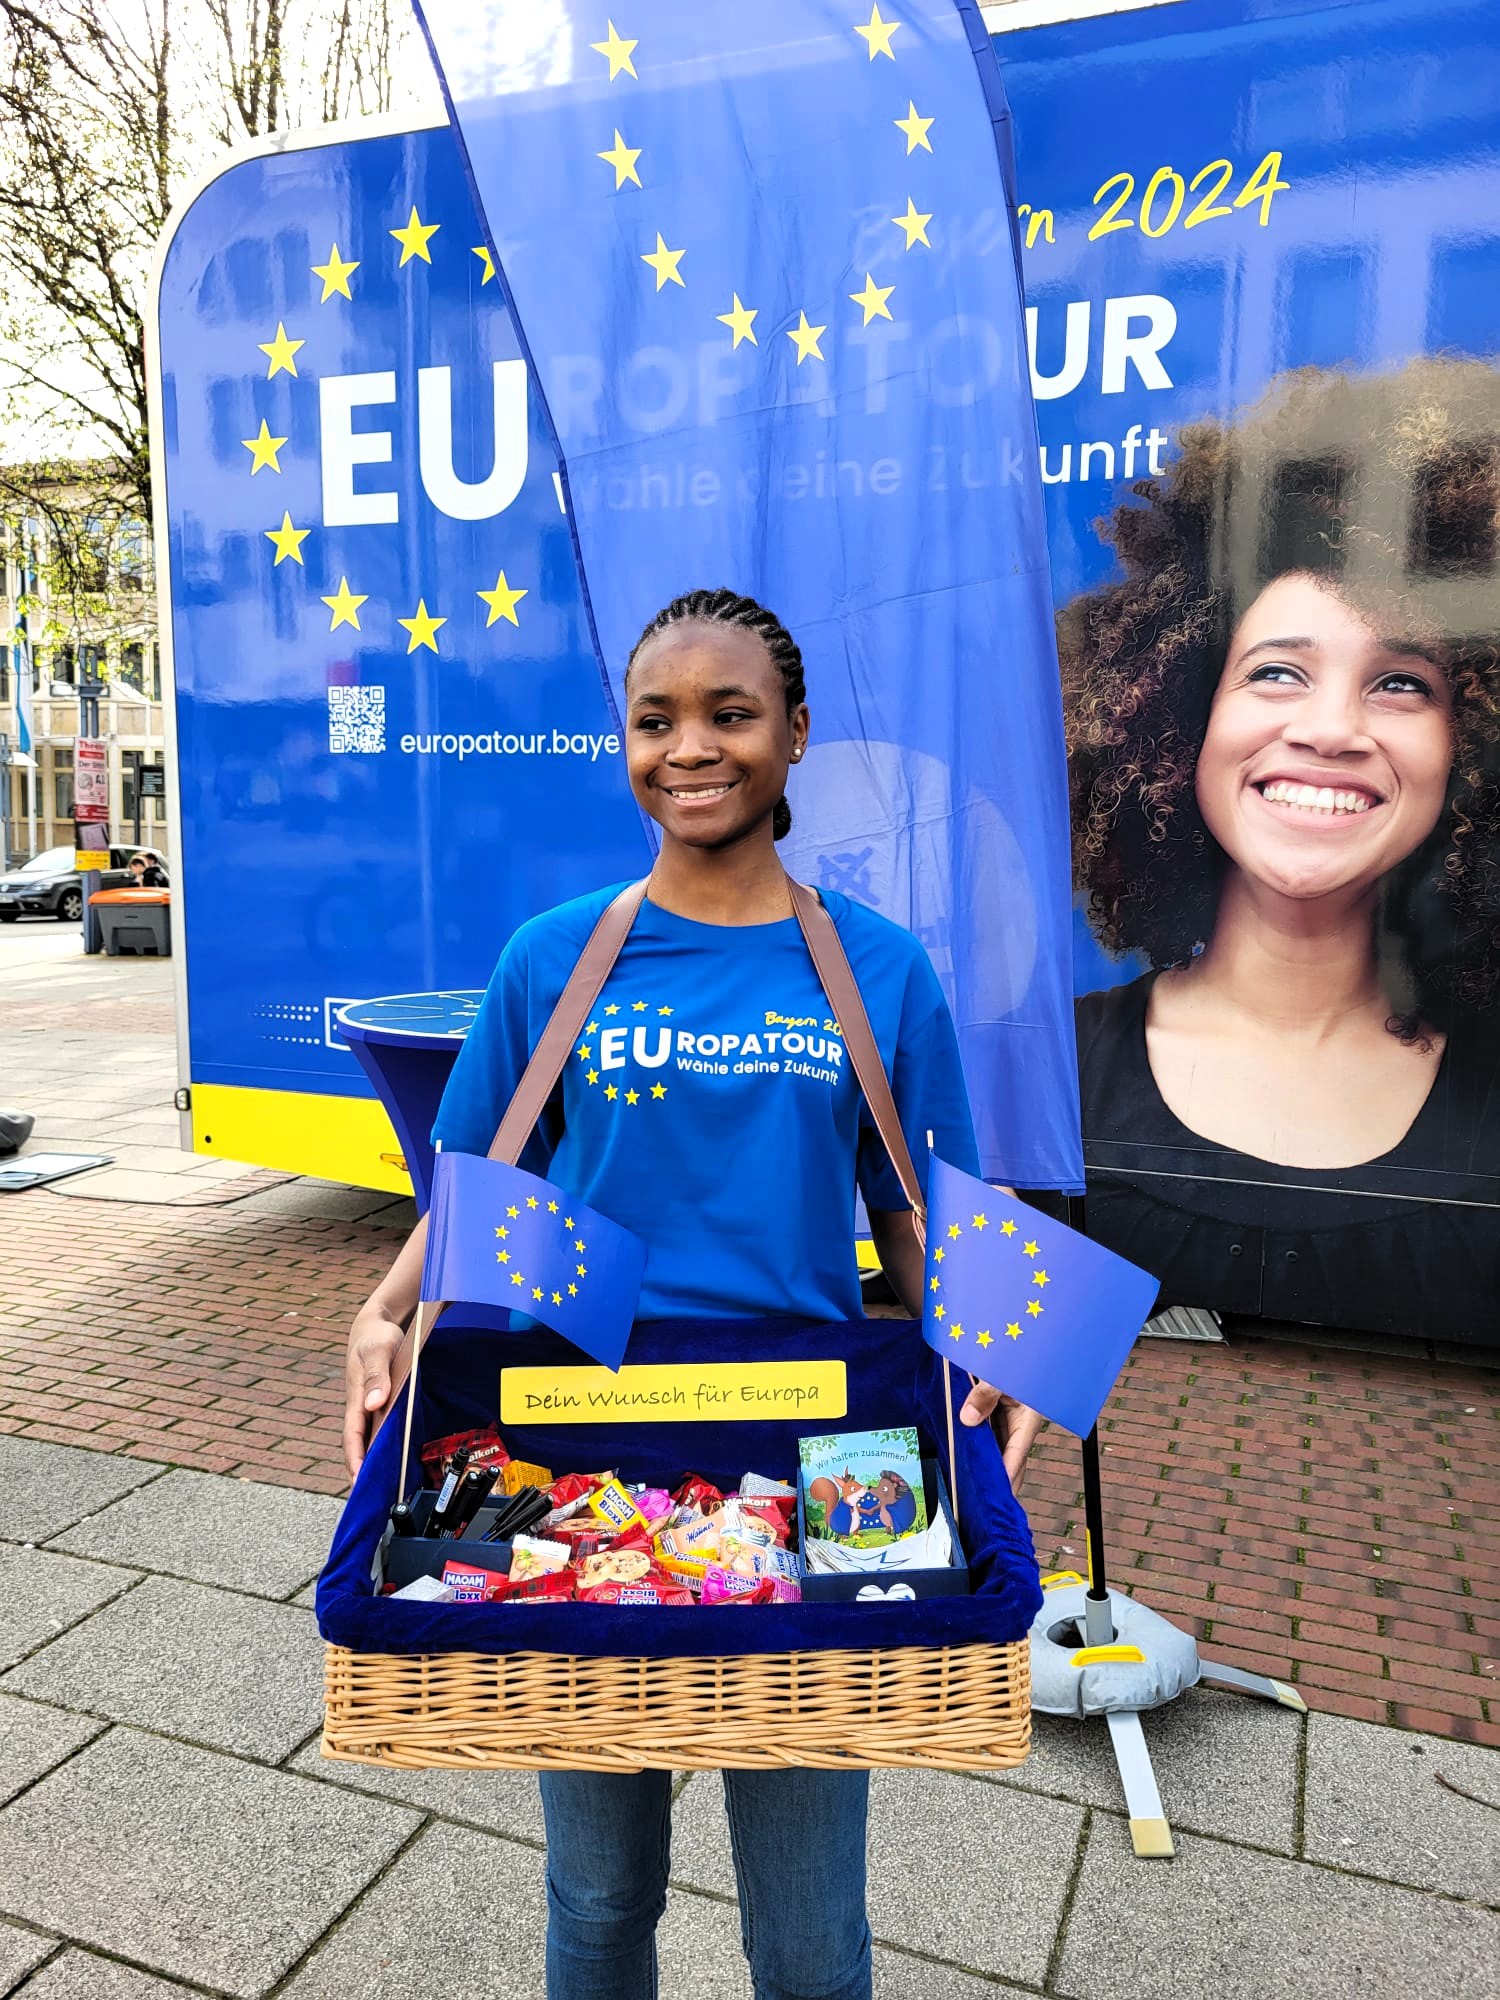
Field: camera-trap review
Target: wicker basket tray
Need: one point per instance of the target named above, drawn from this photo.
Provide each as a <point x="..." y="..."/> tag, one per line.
<point x="950" y="1708"/>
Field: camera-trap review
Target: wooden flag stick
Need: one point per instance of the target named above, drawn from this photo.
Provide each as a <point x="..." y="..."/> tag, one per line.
<point x="427" y="1312"/>
<point x="920" y="1222"/>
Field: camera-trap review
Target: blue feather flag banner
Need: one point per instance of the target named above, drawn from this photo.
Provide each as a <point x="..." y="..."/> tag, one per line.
<point x="499" y="1236"/>
<point x="763" y="264"/>
<point x="1025" y="1303"/>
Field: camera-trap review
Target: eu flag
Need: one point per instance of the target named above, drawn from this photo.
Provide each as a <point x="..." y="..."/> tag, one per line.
<point x="499" y="1236"/>
<point x="763" y="262"/>
<point x="1025" y="1303"/>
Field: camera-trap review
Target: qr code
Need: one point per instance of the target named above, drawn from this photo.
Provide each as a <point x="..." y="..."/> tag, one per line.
<point x="356" y="718"/>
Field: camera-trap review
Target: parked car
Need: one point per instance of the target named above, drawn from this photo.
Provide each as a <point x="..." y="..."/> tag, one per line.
<point x="48" y="885"/>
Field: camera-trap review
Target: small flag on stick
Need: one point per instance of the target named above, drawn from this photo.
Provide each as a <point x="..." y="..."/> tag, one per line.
<point x="499" y="1236"/>
<point x="1027" y="1304"/>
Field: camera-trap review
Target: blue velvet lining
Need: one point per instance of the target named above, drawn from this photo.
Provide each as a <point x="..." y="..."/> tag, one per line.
<point x="894" y="1378"/>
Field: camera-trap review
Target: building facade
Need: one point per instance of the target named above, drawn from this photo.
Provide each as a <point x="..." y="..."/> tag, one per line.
<point x="68" y="615"/>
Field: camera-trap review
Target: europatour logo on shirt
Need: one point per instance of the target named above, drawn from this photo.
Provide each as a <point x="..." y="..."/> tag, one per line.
<point x="634" y="1052"/>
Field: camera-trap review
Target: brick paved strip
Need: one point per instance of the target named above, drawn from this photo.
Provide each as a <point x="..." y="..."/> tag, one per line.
<point x="1247" y="1485"/>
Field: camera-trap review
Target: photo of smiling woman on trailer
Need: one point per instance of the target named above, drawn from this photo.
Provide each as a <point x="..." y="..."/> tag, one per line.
<point x="1284" y="731"/>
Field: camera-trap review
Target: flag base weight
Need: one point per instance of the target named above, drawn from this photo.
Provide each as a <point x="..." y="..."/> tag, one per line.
<point x="1097" y="1652"/>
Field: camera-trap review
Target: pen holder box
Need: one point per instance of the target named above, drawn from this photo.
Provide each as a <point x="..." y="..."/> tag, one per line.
<point x="894" y="1585"/>
<point x="403" y="1558"/>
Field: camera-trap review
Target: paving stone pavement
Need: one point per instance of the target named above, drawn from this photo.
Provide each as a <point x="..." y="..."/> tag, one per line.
<point x="168" y="1825"/>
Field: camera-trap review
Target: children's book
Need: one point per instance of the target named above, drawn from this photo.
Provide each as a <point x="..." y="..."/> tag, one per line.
<point x="863" y="1488"/>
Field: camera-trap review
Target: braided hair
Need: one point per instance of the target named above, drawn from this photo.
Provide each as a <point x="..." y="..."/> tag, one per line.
<point x="727" y="607"/>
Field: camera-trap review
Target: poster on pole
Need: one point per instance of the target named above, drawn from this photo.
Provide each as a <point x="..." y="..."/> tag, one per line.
<point x="1264" y="346"/>
<point x="91" y="781"/>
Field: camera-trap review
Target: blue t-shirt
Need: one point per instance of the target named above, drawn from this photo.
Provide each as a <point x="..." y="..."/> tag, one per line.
<point x="710" y="1105"/>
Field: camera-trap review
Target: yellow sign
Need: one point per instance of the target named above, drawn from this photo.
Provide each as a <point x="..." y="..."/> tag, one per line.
<point x="88" y="857"/>
<point x="674" y="1392"/>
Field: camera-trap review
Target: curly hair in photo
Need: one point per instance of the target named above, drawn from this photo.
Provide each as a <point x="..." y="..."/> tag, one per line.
<point x="1385" y="488"/>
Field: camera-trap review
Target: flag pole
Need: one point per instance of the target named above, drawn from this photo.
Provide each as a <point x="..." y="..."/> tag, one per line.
<point x="421" y="1327"/>
<point x="1099" y="1627"/>
<point x="921" y="1227"/>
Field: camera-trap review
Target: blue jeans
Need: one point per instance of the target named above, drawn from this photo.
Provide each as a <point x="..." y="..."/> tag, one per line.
<point x="799" y="1861"/>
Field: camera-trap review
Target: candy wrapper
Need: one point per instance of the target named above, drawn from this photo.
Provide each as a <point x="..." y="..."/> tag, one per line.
<point x="647" y="1592"/>
<point x="655" y="1506"/>
<point x="615" y="1566"/>
<point x="699" y="1495"/>
<point x="754" y="1487"/>
<point x="485" y="1448"/>
<point x="577" y="1486"/>
<point x="554" y="1587"/>
<point x="472" y="1586"/>
<point x="518" y="1473"/>
<point x="722" y="1586"/>
<point x="531" y="1557"/>
<point x="613" y="1504"/>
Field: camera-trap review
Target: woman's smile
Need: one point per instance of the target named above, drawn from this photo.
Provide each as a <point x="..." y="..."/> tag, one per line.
<point x="1329" y="745"/>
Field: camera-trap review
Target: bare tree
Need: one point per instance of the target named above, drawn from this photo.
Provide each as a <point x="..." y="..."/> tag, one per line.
<point x="107" y="108"/>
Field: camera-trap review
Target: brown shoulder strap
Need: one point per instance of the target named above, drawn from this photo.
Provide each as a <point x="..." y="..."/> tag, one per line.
<point x="584" y="986"/>
<point x="837" y="976"/>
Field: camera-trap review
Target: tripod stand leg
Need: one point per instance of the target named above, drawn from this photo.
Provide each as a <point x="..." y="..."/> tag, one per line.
<point x="1261" y="1684"/>
<point x="1150" y="1835"/>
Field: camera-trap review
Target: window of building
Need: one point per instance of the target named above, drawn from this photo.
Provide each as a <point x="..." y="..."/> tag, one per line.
<point x="63" y="665"/>
<point x="91" y="663"/>
<point x="155" y="671"/>
<point x="133" y="665"/>
<point x="133" y="554"/>
<point x="62" y="784"/>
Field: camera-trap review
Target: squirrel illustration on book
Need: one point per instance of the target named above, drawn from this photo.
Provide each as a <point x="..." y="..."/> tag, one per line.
<point x="842" y="1500"/>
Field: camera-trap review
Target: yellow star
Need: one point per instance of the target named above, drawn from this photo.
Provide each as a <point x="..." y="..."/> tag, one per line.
<point x="632" y="1097"/>
<point x="916" y="128"/>
<point x="877" y="34"/>
<point x="939" y="1254"/>
<point x="580" y="1270"/>
<point x="593" y="1076"/>
<point x="536" y="1291"/>
<point x="955" y="1332"/>
<point x="613" y="1007"/>
<point x="280" y="352"/>
<point x="611" y="1091"/>
<point x="663" y="1010"/>
<point x="1040" y="1278"/>
<point x="592" y="1028"/>
<point x="664" y="263"/>
<point x="873" y="299"/>
<point x="955" y="1230"/>
<point x="1013" y="1331"/>
<point x="557" y="1298"/>
<point x="502" y="1230"/>
<point x="940" y="1312"/>
<point x="740" y="321"/>
<point x="518" y="1277"/>
<point x="335" y="275"/>
<point x="658" y="1090"/>
<point x="806" y="338"/>
<point x="414" y="238"/>
<point x="502" y="601"/>
<point x="422" y="626"/>
<point x="637" y="1006"/>
<point x="482" y="252"/>
<point x="1031" y="1248"/>
<point x="584" y="1051"/>
<point x="567" y="1222"/>
<point x="622" y="158"/>
<point x="502" y="1256"/>
<point x="981" y="1222"/>
<point x="513" y="1212"/>
<point x="531" y="1201"/>
<point x="552" y="1208"/>
<point x="572" y="1291"/>
<point x="618" y="51"/>
<point x="1034" y="1307"/>
<point x="935" y="1285"/>
<point x="985" y="1337"/>
<point x="914" y="223"/>
<point x="263" y="449"/>
<point x="1007" y="1228"/>
<point x="344" y="604"/>
<point x="287" y="541"/>
<point x="578" y="1244"/>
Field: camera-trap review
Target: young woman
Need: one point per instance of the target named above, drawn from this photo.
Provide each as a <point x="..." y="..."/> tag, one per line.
<point x="740" y="1177"/>
<point x="1285" y="732"/>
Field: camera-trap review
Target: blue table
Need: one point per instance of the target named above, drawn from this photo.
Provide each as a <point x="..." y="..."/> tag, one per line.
<point x="407" y="1044"/>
